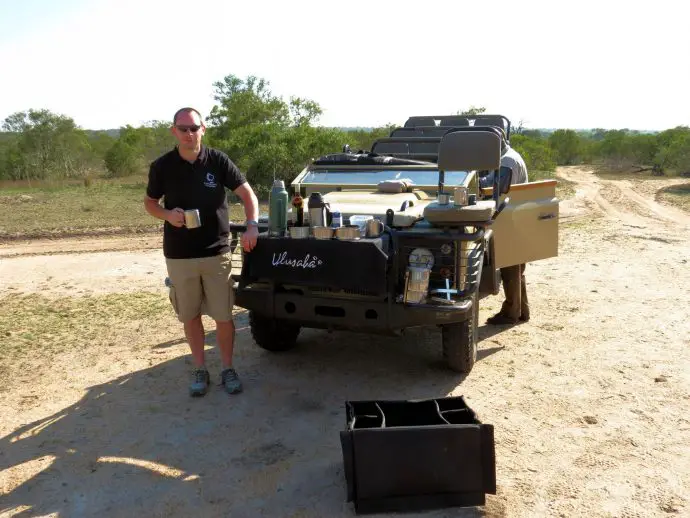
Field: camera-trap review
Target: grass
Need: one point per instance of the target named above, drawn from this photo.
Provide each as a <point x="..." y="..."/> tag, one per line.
<point x="60" y="209"/>
<point x="33" y="324"/>
<point x="106" y="206"/>
<point x="678" y="195"/>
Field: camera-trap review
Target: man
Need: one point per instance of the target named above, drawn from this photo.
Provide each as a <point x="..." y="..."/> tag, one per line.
<point x="516" y="305"/>
<point x="194" y="176"/>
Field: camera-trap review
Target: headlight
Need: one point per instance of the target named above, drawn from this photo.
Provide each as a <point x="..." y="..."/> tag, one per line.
<point x="421" y="258"/>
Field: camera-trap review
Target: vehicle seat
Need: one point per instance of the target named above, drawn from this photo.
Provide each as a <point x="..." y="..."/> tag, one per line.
<point x="419" y="121"/>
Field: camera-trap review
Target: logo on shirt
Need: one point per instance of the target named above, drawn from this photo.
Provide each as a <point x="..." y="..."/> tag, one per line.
<point x="210" y="181"/>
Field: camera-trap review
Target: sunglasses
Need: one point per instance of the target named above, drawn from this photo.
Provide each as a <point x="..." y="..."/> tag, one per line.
<point x="185" y="129"/>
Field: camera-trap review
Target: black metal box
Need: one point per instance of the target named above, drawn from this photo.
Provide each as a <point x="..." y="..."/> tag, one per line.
<point x="416" y="455"/>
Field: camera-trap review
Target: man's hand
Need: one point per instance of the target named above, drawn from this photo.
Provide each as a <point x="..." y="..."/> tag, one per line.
<point x="249" y="238"/>
<point x="175" y="217"/>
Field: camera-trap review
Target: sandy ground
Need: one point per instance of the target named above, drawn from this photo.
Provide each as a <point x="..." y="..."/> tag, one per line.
<point x="590" y="400"/>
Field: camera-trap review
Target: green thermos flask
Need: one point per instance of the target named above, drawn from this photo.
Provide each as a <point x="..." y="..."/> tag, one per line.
<point x="277" y="209"/>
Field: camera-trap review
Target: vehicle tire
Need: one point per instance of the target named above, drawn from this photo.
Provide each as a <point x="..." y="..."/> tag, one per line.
<point x="460" y="341"/>
<point x="272" y="334"/>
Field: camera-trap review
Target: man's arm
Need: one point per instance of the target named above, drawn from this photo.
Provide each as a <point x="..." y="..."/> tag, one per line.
<point x="249" y="200"/>
<point x="251" y="211"/>
<point x="154" y="208"/>
<point x="175" y="217"/>
<point x="155" y="190"/>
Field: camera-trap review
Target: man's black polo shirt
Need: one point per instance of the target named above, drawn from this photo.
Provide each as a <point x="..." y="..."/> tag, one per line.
<point x="199" y="185"/>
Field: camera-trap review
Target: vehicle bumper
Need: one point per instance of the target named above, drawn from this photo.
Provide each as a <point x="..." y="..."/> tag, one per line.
<point x="354" y="314"/>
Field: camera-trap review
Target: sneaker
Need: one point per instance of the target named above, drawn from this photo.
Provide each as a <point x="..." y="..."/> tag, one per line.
<point x="230" y="381"/>
<point x="200" y="383"/>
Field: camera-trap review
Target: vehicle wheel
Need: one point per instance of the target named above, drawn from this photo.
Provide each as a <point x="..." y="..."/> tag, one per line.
<point x="272" y="334"/>
<point x="460" y="341"/>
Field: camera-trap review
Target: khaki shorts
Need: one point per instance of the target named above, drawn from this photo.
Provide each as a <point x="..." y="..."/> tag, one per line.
<point x="201" y="285"/>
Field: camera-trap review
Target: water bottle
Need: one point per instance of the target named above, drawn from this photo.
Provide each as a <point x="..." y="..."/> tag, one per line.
<point x="277" y="209"/>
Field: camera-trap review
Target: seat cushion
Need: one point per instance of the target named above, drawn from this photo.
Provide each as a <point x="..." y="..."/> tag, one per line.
<point x="448" y="214"/>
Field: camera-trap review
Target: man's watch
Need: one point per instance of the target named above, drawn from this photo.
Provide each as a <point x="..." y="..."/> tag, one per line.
<point x="252" y="222"/>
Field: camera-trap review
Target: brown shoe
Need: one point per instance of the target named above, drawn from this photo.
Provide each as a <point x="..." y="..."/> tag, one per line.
<point x="500" y="319"/>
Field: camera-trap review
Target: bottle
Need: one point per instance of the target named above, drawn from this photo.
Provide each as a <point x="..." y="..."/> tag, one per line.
<point x="298" y="205"/>
<point x="337" y="219"/>
<point x="277" y="209"/>
<point x="317" y="210"/>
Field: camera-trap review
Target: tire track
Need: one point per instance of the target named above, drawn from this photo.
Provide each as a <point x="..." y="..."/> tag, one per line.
<point x="629" y="206"/>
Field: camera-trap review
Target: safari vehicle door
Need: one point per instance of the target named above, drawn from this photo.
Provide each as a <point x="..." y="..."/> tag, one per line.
<point x="527" y="228"/>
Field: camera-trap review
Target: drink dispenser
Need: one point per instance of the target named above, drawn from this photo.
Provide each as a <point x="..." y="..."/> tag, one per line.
<point x="277" y="209"/>
<point x="317" y="210"/>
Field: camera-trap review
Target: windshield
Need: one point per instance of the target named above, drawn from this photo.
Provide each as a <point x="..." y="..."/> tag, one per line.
<point x="373" y="177"/>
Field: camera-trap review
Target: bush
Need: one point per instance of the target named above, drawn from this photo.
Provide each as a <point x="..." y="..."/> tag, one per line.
<point x="537" y="154"/>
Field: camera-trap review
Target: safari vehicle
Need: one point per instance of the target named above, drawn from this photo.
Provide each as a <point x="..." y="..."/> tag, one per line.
<point x="442" y="242"/>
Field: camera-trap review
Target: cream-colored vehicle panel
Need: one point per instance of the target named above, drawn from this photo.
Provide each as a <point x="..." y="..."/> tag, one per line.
<point x="527" y="229"/>
<point x="376" y="204"/>
<point x="449" y="214"/>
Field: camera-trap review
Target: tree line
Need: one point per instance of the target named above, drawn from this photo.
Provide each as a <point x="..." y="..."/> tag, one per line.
<point x="269" y="137"/>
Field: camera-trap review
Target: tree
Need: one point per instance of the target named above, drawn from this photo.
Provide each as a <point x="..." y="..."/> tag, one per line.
<point x="566" y="145"/>
<point x="677" y="152"/>
<point x="472" y="110"/>
<point x="135" y="148"/>
<point x="304" y="112"/>
<point x="48" y="145"/>
<point x="245" y="103"/>
<point x="264" y="135"/>
<point x="537" y="154"/>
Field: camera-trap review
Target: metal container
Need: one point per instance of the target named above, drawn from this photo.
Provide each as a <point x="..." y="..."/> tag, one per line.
<point x="416" y="284"/>
<point x="192" y="218"/>
<point x="277" y="209"/>
<point x="347" y="233"/>
<point x="299" y="232"/>
<point x="322" y="232"/>
<point x="360" y="220"/>
<point x="374" y="228"/>
<point x="317" y="210"/>
<point x="443" y="198"/>
<point x="460" y="197"/>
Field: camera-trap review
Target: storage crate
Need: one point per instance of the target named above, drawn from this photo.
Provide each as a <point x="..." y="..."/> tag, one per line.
<point x="416" y="454"/>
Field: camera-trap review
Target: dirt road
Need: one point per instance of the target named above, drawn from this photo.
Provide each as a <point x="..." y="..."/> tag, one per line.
<point x="590" y="399"/>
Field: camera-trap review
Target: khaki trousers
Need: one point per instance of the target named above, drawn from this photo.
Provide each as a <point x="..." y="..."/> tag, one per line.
<point x="516" y="304"/>
<point x="201" y="285"/>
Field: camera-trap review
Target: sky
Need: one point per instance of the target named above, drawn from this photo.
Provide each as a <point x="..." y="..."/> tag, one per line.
<point x="584" y="64"/>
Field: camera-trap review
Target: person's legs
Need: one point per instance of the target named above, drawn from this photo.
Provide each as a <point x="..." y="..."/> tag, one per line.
<point x="194" y="331"/>
<point x="511" y="288"/>
<point x="186" y="297"/>
<point x="219" y="297"/>
<point x="510" y="310"/>
<point x="524" y="302"/>
<point x="225" y="336"/>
